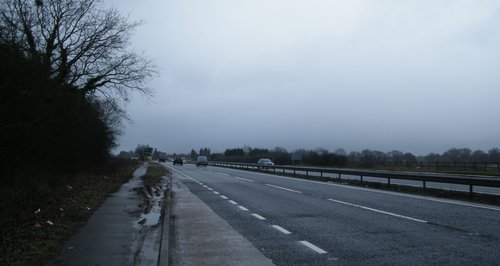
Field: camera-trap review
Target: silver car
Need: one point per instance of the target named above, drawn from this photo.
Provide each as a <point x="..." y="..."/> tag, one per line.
<point x="265" y="162"/>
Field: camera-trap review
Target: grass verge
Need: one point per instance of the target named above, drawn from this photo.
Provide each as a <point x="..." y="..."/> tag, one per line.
<point x="39" y="215"/>
<point x="154" y="174"/>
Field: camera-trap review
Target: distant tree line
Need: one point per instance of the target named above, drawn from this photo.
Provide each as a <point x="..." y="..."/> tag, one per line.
<point x="465" y="155"/>
<point x="248" y="155"/>
<point x="365" y="158"/>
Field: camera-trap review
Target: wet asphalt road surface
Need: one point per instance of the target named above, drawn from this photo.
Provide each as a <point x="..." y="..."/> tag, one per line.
<point x="300" y="222"/>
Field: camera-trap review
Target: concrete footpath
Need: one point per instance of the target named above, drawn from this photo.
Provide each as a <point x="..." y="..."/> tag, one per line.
<point x="110" y="236"/>
<point x="120" y="233"/>
<point x="201" y="237"/>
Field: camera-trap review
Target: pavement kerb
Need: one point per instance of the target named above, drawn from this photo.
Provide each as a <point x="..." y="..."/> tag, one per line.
<point x="163" y="256"/>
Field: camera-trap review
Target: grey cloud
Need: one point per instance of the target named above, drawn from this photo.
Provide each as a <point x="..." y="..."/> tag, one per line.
<point x="419" y="76"/>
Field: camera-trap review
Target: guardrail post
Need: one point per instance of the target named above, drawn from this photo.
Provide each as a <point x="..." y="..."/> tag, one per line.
<point x="389" y="181"/>
<point x="321" y="174"/>
<point x="283" y="170"/>
<point x="423" y="184"/>
<point x="470" y="189"/>
<point x="307" y="172"/>
<point x="361" y="178"/>
<point x="339" y="176"/>
<point x="293" y="171"/>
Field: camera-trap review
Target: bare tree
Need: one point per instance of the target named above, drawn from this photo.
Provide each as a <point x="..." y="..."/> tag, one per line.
<point x="80" y="43"/>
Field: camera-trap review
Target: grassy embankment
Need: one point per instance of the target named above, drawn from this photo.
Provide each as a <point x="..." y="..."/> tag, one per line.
<point x="39" y="215"/>
<point x="154" y="174"/>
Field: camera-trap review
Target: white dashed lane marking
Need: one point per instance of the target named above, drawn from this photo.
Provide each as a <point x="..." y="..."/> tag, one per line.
<point x="258" y="216"/>
<point x="283" y="188"/>
<point x="243" y="208"/>
<point x="233" y="202"/>
<point x="224" y="197"/>
<point x="245" y="179"/>
<point x="379" y="211"/>
<point x="313" y="247"/>
<point x="281" y="229"/>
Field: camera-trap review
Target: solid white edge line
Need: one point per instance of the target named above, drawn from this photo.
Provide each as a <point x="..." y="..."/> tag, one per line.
<point x="284" y="188"/>
<point x="224" y="197"/>
<point x="258" y="217"/>
<point x="242" y="208"/>
<point x="313" y="247"/>
<point x="179" y="172"/>
<point x="379" y="211"/>
<point x="281" y="229"/>
<point x="223" y="173"/>
<point x="233" y="202"/>
<point x="244" y="179"/>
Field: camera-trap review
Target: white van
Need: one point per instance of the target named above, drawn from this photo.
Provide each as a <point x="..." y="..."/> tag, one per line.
<point x="202" y="160"/>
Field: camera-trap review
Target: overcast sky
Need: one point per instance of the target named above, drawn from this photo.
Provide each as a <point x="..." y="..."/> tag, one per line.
<point x="417" y="76"/>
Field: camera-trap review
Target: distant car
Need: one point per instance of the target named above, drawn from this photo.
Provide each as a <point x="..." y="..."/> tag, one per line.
<point x="162" y="160"/>
<point x="265" y="162"/>
<point x="202" y="161"/>
<point x="178" y="161"/>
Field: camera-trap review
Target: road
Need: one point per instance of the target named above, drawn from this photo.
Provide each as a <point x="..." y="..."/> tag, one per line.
<point x="302" y="222"/>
